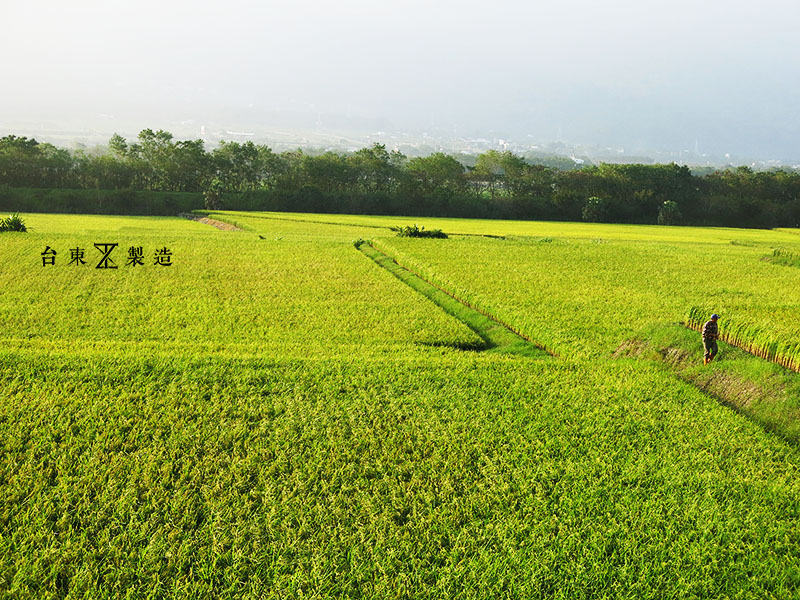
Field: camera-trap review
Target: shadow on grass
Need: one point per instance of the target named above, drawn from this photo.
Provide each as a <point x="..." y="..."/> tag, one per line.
<point x="462" y="346"/>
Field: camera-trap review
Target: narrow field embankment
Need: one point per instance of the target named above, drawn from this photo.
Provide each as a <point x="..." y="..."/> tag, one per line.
<point x="358" y="223"/>
<point x="498" y="337"/>
<point x="221" y="225"/>
<point x="763" y="391"/>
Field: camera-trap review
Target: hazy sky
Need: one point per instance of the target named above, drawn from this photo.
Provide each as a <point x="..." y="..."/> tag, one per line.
<point x="722" y="74"/>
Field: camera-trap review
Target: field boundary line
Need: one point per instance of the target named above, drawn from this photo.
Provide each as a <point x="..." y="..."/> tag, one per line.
<point x="442" y="286"/>
<point x="493" y="340"/>
<point x="221" y="225"/>
<point x="249" y="215"/>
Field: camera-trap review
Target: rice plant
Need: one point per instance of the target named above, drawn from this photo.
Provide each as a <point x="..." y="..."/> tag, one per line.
<point x="781" y="256"/>
<point x="277" y="416"/>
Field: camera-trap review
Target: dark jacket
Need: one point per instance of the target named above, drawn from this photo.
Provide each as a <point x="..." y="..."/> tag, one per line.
<point x="710" y="330"/>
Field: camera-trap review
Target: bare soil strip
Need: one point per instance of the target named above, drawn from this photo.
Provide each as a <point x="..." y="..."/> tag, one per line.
<point x="213" y="222"/>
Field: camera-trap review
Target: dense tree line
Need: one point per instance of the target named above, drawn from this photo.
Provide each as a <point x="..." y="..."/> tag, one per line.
<point x="375" y="180"/>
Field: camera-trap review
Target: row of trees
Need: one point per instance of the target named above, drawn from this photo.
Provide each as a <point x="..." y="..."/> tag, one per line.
<point x="375" y="180"/>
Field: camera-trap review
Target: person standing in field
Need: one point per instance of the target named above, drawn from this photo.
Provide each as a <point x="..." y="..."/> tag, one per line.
<point x="710" y="335"/>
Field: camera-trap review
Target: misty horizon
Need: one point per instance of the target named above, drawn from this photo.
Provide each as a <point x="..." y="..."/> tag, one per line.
<point x="714" y="80"/>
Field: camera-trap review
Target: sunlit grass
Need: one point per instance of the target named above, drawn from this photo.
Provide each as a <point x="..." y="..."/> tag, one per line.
<point x="276" y="416"/>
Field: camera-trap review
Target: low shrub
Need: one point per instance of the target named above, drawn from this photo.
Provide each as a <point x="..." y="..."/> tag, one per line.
<point x="13" y="223"/>
<point x="418" y="232"/>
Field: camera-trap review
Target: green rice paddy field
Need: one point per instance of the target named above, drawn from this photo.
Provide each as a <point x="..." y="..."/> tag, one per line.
<point x="276" y="414"/>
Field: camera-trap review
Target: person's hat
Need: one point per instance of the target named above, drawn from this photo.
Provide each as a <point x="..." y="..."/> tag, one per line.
<point x="715" y="316"/>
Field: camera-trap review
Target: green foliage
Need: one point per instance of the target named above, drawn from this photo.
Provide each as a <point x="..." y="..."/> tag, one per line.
<point x="376" y="180"/>
<point x="98" y="201"/>
<point x="595" y="210"/>
<point x="12" y="223"/>
<point x="669" y="213"/>
<point x="377" y="170"/>
<point x="438" y="176"/>
<point x="212" y="197"/>
<point x="418" y="232"/>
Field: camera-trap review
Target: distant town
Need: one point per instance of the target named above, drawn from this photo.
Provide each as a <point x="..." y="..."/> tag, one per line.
<point x="317" y="134"/>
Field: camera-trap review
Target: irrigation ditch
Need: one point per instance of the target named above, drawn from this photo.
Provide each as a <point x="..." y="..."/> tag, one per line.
<point x="498" y="337"/>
